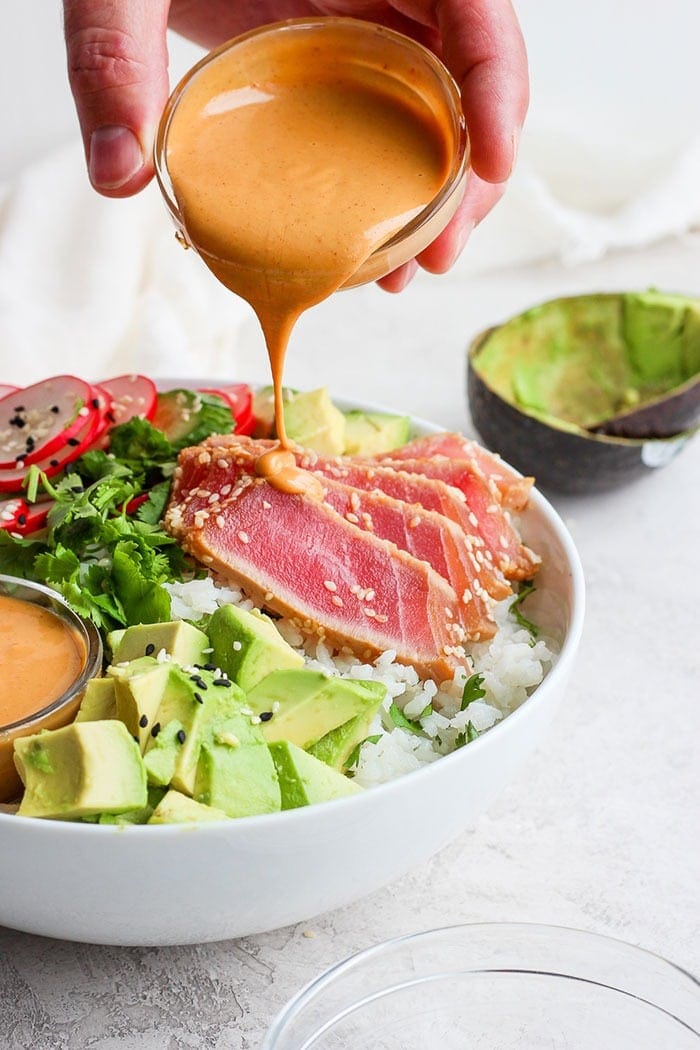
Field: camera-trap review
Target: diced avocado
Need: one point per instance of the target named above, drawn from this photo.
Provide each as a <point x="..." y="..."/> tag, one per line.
<point x="367" y="433"/>
<point x="134" y="816"/>
<point x="653" y="326"/>
<point x="241" y="781"/>
<point x="83" y="769"/>
<point x="188" y="416"/>
<point x="264" y="409"/>
<point x="336" y="747"/>
<point x="305" y="780"/>
<point x="99" y="701"/>
<point x="183" y="642"/>
<point x="162" y="753"/>
<point x="203" y="710"/>
<point x="114" y="638"/>
<point x="248" y="646"/>
<point x="176" y="808"/>
<point x="302" y="706"/>
<point x="312" y="420"/>
<point x="139" y="689"/>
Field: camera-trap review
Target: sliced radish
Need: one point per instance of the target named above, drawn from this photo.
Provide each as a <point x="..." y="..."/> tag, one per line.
<point x="39" y="420"/>
<point x="10" y="512"/>
<point x="132" y="395"/>
<point x="7" y="388"/>
<point x="11" y="480"/>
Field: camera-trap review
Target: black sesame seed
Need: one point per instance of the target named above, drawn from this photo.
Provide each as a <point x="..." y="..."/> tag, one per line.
<point x="19" y="408"/>
<point x="143" y="721"/>
<point x="150" y="648"/>
<point x="221" y="681"/>
<point x="18" y="422"/>
<point x="21" y="519"/>
<point x="265" y="716"/>
<point x="209" y="667"/>
<point x="53" y="462"/>
<point x="55" y="409"/>
<point x="110" y="417"/>
<point x="76" y="488"/>
<point x="155" y="729"/>
<point x="95" y="402"/>
<point x="181" y="736"/>
<point x="198" y="698"/>
<point x="199" y="681"/>
<point x="73" y="442"/>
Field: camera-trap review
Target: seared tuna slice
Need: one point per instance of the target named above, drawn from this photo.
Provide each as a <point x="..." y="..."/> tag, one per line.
<point x="424" y="534"/>
<point x="516" y="561"/>
<point x="299" y="558"/>
<point x="513" y="488"/>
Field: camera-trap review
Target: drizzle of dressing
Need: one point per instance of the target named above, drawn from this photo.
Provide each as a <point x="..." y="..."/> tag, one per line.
<point x="278" y="466"/>
<point x="290" y="167"/>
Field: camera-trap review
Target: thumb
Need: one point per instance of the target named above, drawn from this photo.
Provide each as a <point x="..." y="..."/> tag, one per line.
<point x="118" y="72"/>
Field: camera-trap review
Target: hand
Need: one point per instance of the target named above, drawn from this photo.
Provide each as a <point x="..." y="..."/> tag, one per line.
<point x="118" y="70"/>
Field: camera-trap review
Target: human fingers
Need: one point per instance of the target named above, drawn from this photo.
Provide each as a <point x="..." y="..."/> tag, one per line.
<point x="478" y="200"/>
<point x="118" y="72"/>
<point x="397" y="280"/>
<point x="483" y="47"/>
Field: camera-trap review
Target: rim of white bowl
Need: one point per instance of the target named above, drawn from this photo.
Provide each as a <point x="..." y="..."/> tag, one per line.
<point x="490" y="738"/>
<point x="575" y="938"/>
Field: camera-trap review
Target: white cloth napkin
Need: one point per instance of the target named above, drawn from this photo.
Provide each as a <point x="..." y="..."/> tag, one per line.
<point x="98" y="287"/>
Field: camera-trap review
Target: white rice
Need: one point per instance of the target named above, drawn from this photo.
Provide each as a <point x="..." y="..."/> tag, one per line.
<point x="511" y="665"/>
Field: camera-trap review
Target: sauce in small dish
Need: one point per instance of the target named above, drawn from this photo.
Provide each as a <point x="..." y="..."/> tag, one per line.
<point x="47" y="655"/>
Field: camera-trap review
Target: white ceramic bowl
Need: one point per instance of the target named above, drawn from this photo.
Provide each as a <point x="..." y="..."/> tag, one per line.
<point x="183" y="885"/>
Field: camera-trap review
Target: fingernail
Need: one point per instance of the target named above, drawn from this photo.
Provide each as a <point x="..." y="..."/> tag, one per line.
<point x="115" y="157"/>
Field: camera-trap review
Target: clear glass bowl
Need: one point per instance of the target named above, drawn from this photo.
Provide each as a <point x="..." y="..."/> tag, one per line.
<point x="391" y="57"/>
<point x="498" y="986"/>
<point x="62" y="709"/>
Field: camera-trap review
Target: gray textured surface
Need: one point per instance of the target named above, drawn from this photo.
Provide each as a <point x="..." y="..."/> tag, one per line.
<point x="599" y="831"/>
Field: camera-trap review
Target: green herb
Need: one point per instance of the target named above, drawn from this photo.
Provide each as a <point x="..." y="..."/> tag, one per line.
<point x="354" y="756"/>
<point x="214" y="416"/>
<point x="427" y="710"/>
<point x="525" y="590"/>
<point x="472" y="690"/>
<point x="401" y="722"/>
<point x="469" y="734"/>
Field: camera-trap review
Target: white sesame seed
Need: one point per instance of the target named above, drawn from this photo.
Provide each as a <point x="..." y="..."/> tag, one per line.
<point x="381" y="618"/>
<point x="329" y="585"/>
<point x="414" y="522"/>
<point x="237" y="646"/>
<point x="337" y="600"/>
<point x="243" y="536"/>
<point x="223" y="463"/>
<point x="266" y="505"/>
<point x="371" y="613"/>
<point x="225" y="489"/>
<point x="370" y="595"/>
<point x="352" y="518"/>
<point x="467" y="595"/>
<point x="220" y="521"/>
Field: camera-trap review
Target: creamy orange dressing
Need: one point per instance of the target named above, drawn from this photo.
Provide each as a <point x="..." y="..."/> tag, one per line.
<point x="290" y="166"/>
<point x="40" y="658"/>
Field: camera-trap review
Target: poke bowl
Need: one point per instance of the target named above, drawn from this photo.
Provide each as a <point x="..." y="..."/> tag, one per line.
<point x="125" y="884"/>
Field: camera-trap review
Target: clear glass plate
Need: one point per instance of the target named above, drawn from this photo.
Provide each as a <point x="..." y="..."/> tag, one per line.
<point x="499" y="986"/>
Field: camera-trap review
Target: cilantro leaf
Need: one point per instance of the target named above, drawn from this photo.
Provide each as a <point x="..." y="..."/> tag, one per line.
<point x="401" y="722"/>
<point x="152" y="510"/>
<point x="214" y="416"/>
<point x="469" y="734"/>
<point x="472" y="690"/>
<point x="525" y="590"/>
<point x="17" y="556"/>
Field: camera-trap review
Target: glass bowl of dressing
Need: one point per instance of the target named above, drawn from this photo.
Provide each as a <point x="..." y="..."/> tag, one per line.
<point x="373" y="60"/>
<point x="47" y="654"/>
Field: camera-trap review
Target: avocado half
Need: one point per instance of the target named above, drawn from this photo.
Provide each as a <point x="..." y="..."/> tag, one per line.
<point x="589" y="391"/>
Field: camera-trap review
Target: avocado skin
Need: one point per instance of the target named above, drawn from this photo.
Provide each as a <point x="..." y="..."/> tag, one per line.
<point x="563" y="461"/>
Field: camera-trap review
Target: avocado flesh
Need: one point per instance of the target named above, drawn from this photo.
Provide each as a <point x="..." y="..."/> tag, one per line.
<point x="336" y="747"/>
<point x="368" y="433"/>
<point x="248" y="646"/>
<point x="99" y="701"/>
<point x="303" y="706"/>
<point x="240" y="781"/>
<point x="304" y="780"/>
<point x="139" y="688"/>
<point x="184" y="643"/>
<point x="586" y="360"/>
<point x="176" y="808"/>
<point x="312" y="421"/>
<point x="84" y="769"/>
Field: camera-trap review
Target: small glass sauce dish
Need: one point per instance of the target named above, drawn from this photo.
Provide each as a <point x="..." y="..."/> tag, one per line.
<point x="395" y="61"/>
<point x="57" y="710"/>
<point x="504" y="985"/>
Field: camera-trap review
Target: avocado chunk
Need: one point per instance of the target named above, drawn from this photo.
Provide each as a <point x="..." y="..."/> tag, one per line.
<point x="302" y="706"/>
<point x="248" y="646"/>
<point x="176" y="808"/>
<point x="99" y="701"/>
<point x="304" y="780"/>
<point x="83" y="769"/>
<point x="184" y="643"/>
<point x="162" y="753"/>
<point x="202" y="709"/>
<point x="241" y="781"/>
<point x="139" y="688"/>
<point x="338" y="746"/>
<point x="264" y="409"/>
<point x="312" y="421"/>
<point x="134" y="816"/>
<point x="367" y="433"/>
